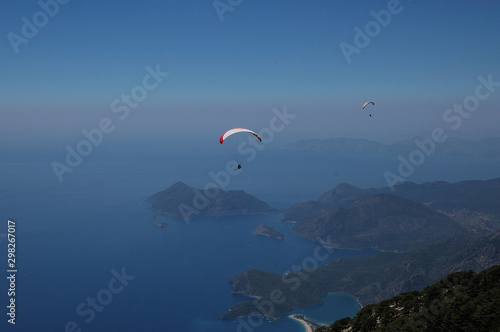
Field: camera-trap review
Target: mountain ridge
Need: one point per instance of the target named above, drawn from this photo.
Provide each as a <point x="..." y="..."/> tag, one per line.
<point x="473" y="203"/>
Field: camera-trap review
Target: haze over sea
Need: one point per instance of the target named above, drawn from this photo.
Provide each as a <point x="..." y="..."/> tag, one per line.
<point x="161" y="81"/>
<point x="70" y="236"/>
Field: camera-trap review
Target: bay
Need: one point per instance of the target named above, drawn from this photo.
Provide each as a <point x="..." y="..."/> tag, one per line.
<point x="90" y="256"/>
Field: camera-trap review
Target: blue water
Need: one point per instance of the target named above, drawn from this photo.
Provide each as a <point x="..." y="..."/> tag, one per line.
<point x="70" y="236"/>
<point x="334" y="307"/>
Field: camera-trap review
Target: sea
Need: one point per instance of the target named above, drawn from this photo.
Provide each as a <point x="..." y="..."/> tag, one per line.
<point x="89" y="257"/>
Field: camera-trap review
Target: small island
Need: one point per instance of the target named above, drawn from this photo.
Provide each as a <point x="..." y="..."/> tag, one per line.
<point x="269" y="232"/>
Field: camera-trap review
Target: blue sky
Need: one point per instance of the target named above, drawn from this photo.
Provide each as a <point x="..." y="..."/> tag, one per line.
<point x="233" y="72"/>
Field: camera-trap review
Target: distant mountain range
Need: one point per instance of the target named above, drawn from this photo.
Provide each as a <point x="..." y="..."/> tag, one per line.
<point x="489" y="147"/>
<point x="182" y="201"/>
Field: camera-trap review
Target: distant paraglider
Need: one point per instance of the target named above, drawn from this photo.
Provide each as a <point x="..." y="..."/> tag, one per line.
<point x="235" y="131"/>
<point x="368" y="102"/>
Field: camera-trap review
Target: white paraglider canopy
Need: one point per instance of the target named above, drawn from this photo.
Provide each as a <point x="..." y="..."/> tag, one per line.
<point x="235" y="131"/>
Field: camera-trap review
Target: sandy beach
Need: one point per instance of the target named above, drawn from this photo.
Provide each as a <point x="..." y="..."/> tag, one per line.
<point x="307" y="325"/>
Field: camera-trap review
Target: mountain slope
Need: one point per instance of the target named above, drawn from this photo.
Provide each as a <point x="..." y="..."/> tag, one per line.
<point x="472" y="204"/>
<point x="463" y="301"/>
<point x="382" y="221"/>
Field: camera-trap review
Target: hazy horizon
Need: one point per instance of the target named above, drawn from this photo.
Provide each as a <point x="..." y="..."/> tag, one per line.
<point x="104" y="103"/>
<point x="229" y="69"/>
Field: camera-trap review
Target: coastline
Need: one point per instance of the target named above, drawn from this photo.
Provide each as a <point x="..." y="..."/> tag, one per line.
<point x="308" y="325"/>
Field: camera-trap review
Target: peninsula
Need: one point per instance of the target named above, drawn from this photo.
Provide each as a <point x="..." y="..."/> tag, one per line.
<point x="182" y="201"/>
